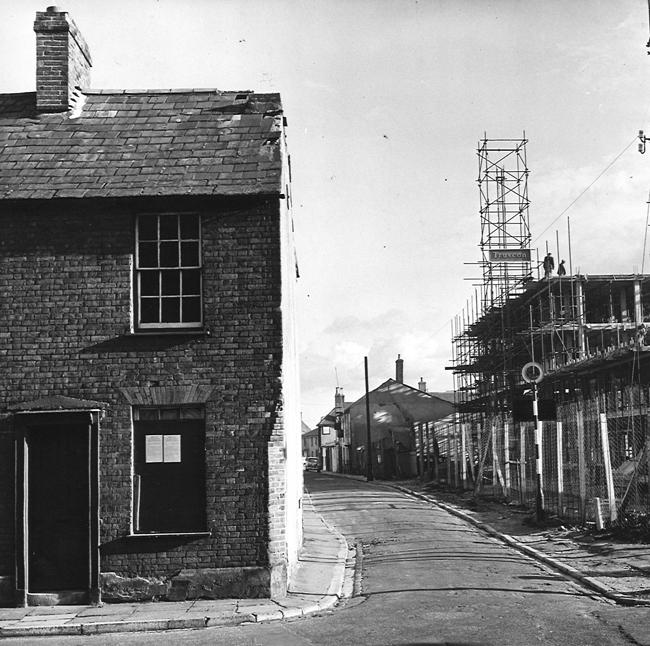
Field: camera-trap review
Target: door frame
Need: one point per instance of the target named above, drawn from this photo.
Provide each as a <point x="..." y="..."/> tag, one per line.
<point x="24" y="421"/>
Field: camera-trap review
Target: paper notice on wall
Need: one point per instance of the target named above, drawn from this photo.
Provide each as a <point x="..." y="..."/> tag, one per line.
<point x="153" y="448"/>
<point x="172" y="448"/>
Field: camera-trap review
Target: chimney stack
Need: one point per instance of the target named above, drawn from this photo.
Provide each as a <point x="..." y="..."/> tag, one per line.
<point x="62" y="60"/>
<point x="422" y="385"/>
<point x="339" y="400"/>
<point x="399" y="370"/>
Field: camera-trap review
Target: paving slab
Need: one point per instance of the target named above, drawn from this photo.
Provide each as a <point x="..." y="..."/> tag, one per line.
<point x="317" y="584"/>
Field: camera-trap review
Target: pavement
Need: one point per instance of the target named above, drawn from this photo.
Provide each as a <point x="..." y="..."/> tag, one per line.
<point x="326" y="573"/>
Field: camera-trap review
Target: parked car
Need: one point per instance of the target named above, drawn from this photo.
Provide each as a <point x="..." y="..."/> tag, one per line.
<point x="312" y="464"/>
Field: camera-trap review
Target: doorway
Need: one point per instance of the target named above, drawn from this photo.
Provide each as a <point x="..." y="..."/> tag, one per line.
<point x="58" y="508"/>
<point x="57" y="502"/>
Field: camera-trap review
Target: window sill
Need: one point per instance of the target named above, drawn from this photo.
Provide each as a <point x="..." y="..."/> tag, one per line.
<point x="171" y="535"/>
<point x="170" y="332"/>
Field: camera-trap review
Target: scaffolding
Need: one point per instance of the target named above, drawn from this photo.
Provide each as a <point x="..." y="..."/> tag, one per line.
<point x="484" y="350"/>
<point x="591" y="336"/>
<point x="505" y="230"/>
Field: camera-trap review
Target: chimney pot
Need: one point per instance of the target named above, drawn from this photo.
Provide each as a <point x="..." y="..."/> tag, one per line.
<point x="399" y="370"/>
<point x="339" y="400"/>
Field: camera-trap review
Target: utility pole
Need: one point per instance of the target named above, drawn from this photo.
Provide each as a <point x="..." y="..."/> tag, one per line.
<point x="369" y="475"/>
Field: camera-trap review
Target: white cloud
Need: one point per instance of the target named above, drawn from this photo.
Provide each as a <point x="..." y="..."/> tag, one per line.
<point x="343" y="344"/>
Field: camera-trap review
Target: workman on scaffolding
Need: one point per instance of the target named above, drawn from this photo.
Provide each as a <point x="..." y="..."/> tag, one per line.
<point x="549" y="265"/>
<point x="561" y="269"/>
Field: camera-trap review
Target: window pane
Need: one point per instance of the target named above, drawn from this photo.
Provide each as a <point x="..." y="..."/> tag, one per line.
<point x="148" y="254"/>
<point x="191" y="282"/>
<point x="169" y="254"/>
<point x="190" y="227"/>
<point x="171" y="310"/>
<point x="147" y="414"/>
<point x="149" y="310"/>
<point x="192" y="413"/>
<point x="169" y="227"/>
<point x="192" y="310"/>
<point x="149" y="283"/>
<point x="169" y="413"/>
<point x="189" y="254"/>
<point x="148" y="227"/>
<point x="171" y="283"/>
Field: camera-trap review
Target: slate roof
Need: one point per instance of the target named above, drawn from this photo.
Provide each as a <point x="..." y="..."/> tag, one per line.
<point x="393" y="404"/>
<point x="126" y="143"/>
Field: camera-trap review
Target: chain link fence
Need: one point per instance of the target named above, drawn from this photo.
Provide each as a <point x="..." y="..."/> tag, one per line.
<point x="593" y="466"/>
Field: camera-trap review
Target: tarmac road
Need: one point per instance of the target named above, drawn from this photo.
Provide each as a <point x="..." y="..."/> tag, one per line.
<point x="427" y="578"/>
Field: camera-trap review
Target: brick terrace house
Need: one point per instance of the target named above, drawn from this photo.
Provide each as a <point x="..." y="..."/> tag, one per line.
<point x="149" y="416"/>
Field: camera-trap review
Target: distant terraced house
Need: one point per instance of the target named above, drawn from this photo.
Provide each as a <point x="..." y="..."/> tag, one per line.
<point x="149" y="417"/>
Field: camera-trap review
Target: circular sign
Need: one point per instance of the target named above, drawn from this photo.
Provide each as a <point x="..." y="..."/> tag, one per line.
<point x="532" y="372"/>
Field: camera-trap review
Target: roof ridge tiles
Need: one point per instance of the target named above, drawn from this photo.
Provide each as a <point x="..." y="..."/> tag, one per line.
<point x="165" y="91"/>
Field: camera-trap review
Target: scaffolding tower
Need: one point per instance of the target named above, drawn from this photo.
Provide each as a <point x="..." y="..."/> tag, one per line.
<point x="483" y="348"/>
<point x="505" y="230"/>
<point x="586" y="440"/>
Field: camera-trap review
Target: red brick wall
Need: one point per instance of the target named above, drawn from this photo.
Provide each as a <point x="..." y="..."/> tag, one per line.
<point x="65" y="290"/>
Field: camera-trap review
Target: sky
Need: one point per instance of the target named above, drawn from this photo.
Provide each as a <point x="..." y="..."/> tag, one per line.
<point x="386" y="102"/>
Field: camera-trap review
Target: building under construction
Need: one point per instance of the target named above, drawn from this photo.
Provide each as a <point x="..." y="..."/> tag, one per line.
<point x="574" y="344"/>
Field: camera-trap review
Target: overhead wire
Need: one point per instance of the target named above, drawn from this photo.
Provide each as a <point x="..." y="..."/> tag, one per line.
<point x="586" y="189"/>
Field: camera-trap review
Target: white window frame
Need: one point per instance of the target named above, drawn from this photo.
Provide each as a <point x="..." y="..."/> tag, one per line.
<point x="138" y="271"/>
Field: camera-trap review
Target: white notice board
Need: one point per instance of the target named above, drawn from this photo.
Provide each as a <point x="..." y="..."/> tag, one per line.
<point x="153" y="448"/>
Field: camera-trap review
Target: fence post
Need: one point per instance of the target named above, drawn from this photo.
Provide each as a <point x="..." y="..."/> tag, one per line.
<point x="506" y="458"/>
<point x="435" y="452"/>
<point x="447" y="435"/>
<point x="582" y="475"/>
<point x="453" y="447"/>
<point x="560" y="468"/>
<point x="647" y="453"/>
<point x="609" y="475"/>
<point x="522" y="463"/>
<point x="483" y="451"/>
<point x="539" y="439"/>
<point x="421" y="443"/>
<point x="470" y="453"/>
<point x="495" y="454"/>
<point x="457" y="470"/>
<point x="463" y="450"/>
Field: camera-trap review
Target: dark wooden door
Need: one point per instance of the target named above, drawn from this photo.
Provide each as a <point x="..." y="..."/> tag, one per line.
<point x="58" y="508"/>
